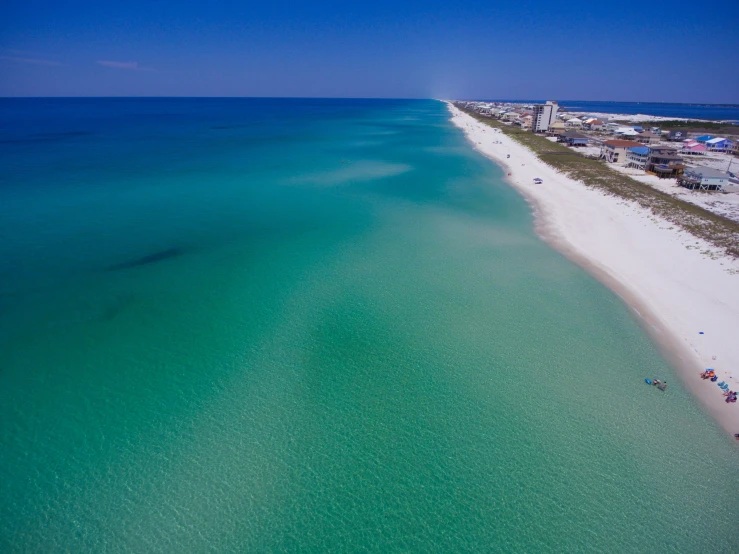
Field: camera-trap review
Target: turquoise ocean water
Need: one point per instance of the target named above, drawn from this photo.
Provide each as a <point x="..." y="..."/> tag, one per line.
<point x="318" y="325"/>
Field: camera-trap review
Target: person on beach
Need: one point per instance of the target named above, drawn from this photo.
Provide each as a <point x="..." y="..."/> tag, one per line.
<point x="663" y="386"/>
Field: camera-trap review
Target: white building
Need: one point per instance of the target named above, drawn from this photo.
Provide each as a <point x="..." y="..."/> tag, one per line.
<point x="615" y="151"/>
<point x="544" y="116"/>
<point x="704" y="178"/>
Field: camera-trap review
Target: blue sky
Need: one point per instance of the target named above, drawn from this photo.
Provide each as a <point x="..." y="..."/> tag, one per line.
<point x="673" y="51"/>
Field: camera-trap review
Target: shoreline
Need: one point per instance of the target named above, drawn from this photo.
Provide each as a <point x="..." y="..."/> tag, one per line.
<point x="657" y="270"/>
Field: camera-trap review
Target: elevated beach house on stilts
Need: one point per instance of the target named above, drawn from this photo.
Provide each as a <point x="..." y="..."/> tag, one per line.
<point x="703" y="178"/>
<point x="637" y="156"/>
<point x="718" y="144"/>
<point x="614" y="151"/>
<point x="693" y="148"/>
<point x="664" y="162"/>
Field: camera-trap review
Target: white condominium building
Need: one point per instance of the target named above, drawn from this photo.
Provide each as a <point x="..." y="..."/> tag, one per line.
<point x="544" y="115"/>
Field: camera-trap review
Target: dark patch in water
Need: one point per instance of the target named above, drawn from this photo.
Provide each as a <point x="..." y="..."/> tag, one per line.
<point x="149" y="259"/>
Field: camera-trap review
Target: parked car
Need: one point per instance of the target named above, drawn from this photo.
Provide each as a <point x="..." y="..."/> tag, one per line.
<point x="538" y="181"/>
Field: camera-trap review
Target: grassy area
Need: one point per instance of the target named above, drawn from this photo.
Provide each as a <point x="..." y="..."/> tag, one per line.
<point x="715" y="229"/>
<point x="693" y="126"/>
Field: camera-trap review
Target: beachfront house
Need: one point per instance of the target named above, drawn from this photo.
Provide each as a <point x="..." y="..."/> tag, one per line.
<point x="614" y="151"/>
<point x="556" y="128"/>
<point x="637" y="156"/>
<point x="664" y="163"/>
<point x="704" y="178"/>
<point x="647" y="137"/>
<point x="574" y="123"/>
<point x="676" y="135"/>
<point x="693" y="148"/>
<point x="663" y="150"/>
<point x="573" y="138"/>
<point x="594" y="125"/>
<point x="544" y="116"/>
<point x="718" y="144"/>
<point x="625" y="132"/>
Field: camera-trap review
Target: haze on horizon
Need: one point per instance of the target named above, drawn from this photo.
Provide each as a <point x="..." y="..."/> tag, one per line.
<point x="634" y="51"/>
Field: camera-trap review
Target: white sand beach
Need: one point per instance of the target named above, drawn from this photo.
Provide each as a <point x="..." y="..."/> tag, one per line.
<point x="681" y="286"/>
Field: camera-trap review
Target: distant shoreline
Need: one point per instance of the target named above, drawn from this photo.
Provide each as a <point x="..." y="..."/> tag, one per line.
<point x="647" y="262"/>
<point x="645" y="111"/>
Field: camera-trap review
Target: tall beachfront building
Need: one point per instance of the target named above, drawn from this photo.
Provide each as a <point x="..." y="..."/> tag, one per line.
<point x="544" y="115"/>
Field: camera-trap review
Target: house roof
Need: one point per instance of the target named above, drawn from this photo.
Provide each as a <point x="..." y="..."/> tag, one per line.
<point x="643" y="150"/>
<point x="716" y="140"/>
<point x="622" y="143"/>
<point x="666" y="156"/>
<point x="706" y="172"/>
<point x="648" y="134"/>
<point x="704" y="138"/>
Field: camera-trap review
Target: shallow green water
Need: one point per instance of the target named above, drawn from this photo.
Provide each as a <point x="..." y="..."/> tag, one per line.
<point x="319" y="325"/>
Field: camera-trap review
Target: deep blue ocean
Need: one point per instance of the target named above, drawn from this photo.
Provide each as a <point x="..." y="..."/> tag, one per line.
<point x="724" y="112"/>
<point x="250" y="325"/>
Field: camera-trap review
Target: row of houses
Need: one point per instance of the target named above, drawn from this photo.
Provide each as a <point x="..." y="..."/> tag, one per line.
<point x="631" y="146"/>
<point x="546" y="118"/>
<point x="709" y="143"/>
<point x="536" y="117"/>
<point x="644" y="137"/>
<point x="715" y="144"/>
<point x="665" y="162"/>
